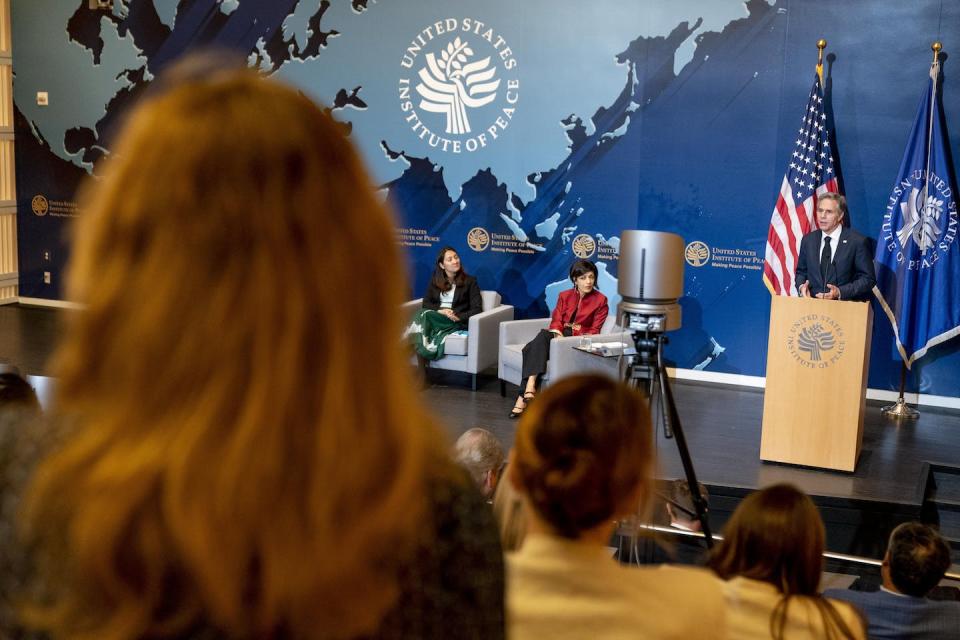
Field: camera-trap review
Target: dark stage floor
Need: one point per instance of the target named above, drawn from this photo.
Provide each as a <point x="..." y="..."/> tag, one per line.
<point x="905" y="471"/>
<point x="722" y="424"/>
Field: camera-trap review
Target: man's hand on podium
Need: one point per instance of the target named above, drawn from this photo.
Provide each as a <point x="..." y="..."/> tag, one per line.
<point x="805" y="290"/>
<point x="832" y="293"/>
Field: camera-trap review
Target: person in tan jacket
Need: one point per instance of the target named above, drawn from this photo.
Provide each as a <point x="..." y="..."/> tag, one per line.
<point x="771" y="558"/>
<point x="583" y="458"/>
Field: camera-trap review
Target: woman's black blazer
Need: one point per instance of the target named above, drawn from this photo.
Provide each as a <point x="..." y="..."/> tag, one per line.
<point x="466" y="299"/>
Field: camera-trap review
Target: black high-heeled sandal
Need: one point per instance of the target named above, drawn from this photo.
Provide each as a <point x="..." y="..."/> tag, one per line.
<point x="516" y="411"/>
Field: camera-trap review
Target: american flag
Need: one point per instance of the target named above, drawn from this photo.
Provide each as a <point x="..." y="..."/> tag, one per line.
<point x="809" y="175"/>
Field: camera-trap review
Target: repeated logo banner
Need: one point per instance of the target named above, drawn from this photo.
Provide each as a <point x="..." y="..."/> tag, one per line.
<point x="411" y="237"/>
<point x="478" y="239"/>
<point x="700" y="254"/>
<point x="40" y="205"/>
<point x="584" y="246"/>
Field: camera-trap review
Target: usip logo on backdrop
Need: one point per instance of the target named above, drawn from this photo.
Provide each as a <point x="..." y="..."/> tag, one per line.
<point x="478" y="239"/>
<point x="696" y="253"/>
<point x="40" y="205"/>
<point x="584" y="245"/>
<point x="466" y="88"/>
<point x="453" y="84"/>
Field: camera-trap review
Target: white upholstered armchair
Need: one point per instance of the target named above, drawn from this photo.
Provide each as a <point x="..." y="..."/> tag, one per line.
<point x="563" y="359"/>
<point x="476" y="351"/>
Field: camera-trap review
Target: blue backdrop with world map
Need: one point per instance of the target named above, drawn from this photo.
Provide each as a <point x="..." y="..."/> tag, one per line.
<point x="525" y="134"/>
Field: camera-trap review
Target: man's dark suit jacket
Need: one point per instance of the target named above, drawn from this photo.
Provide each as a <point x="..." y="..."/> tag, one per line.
<point x="466" y="299"/>
<point x="851" y="269"/>
<point x="894" y="616"/>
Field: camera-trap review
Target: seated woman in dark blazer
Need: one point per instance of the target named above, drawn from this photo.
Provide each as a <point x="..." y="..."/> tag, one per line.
<point x="451" y="298"/>
<point x="580" y="311"/>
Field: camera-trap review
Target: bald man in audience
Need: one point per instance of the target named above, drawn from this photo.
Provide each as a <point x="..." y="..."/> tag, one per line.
<point x="481" y="454"/>
<point x="917" y="559"/>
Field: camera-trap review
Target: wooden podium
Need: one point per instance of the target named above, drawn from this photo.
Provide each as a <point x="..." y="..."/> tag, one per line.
<point x="817" y="360"/>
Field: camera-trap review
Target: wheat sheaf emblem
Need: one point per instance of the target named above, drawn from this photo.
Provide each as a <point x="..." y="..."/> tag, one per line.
<point x="584" y="246"/>
<point x="478" y="239"/>
<point x="697" y="254"/>
<point x="452" y="83"/>
<point x="920" y="220"/>
<point x="815" y="340"/>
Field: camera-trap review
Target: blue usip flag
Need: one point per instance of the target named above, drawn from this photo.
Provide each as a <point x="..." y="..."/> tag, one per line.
<point x="918" y="258"/>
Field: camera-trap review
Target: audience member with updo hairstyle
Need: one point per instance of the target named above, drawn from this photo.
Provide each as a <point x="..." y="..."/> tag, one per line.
<point x="236" y="468"/>
<point x="583" y="457"/>
<point x="771" y="558"/>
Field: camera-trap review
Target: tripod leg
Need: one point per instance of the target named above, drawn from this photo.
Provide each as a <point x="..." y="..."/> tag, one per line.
<point x="661" y="378"/>
<point x="699" y="504"/>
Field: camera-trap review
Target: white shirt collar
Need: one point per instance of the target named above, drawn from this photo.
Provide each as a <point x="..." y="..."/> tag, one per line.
<point x="834" y="236"/>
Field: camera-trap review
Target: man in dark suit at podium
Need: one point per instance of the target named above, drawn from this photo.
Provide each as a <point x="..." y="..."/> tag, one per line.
<point x="834" y="263"/>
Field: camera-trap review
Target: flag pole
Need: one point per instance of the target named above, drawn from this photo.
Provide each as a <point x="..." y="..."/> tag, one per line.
<point x="934" y="74"/>
<point x="821" y="45"/>
<point x="900" y="410"/>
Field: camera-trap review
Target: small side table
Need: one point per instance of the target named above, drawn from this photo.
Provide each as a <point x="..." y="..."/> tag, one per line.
<point x="604" y="358"/>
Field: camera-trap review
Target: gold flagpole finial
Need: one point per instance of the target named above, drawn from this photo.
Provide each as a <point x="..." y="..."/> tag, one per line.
<point x="936" y="46"/>
<point x="821" y="45"/>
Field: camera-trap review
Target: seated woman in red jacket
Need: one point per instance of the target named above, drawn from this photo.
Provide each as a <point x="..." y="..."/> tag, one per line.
<point x="580" y="311"/>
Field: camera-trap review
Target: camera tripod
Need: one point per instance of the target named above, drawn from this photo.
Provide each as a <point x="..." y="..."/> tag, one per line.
<point x="647" y="365"/>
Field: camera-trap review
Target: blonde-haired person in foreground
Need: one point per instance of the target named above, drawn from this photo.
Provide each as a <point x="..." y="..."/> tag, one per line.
<point x="582" y="458"/>
<point x="772" y="559"/>
<point x="249" y="457"/>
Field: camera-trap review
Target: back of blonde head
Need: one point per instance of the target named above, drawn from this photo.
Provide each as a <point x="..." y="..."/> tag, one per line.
<point x="246" y="435"/>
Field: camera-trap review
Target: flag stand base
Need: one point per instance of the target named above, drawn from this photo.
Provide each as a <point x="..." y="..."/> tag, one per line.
<point x="900" y="411"/>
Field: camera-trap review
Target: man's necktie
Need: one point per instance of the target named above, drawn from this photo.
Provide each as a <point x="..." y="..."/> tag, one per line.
<point x="825" y="260"/>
